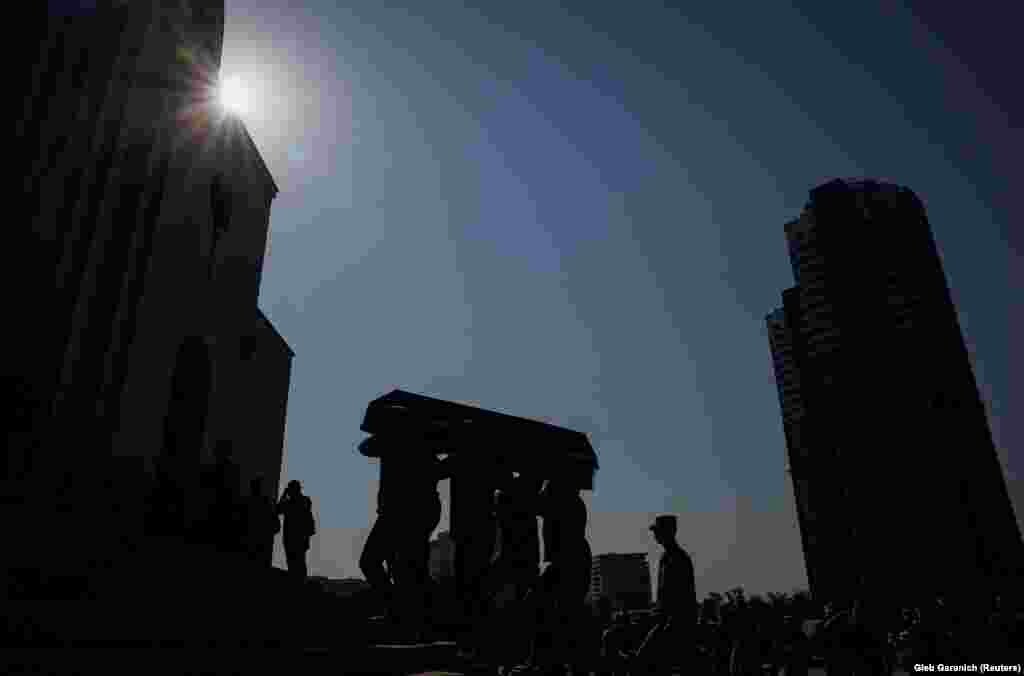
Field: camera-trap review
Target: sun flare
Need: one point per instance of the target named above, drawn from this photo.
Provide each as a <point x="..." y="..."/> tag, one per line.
<point x="233" y="95"/>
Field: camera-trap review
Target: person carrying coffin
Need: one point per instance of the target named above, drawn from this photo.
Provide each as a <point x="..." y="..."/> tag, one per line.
<point x="408" y="512"/>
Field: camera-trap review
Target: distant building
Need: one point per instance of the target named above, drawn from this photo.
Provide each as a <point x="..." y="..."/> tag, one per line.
<point x="898" y="486"/>
<point x="139" y="259"/>
<point x="625" y="579"/>
<point x="442" y="556"/>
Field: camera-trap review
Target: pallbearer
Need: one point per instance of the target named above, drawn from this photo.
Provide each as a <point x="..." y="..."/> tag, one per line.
<point x="474" y="529"/>
<point x="485" y="448"/>
<point x="408" y="512"/>
<point x="564" y="584"/>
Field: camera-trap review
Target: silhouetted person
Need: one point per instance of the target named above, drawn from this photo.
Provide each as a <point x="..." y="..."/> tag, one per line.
<point x="299" y="527"/>
<point x="264" y="524"/>
<point x="408" y="511"/>
<point x="564" y="584"/>
<point x="796" y="647"/>
<point x="671" y="640"/>
<point x="515" y="570"/>
<point x="518" y="562"/>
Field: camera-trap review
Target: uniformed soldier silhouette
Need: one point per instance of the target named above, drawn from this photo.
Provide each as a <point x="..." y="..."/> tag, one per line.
<point x="671" y="640"/>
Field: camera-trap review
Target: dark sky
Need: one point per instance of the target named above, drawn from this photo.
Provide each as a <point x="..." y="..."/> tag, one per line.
<point x="574" y="212"/>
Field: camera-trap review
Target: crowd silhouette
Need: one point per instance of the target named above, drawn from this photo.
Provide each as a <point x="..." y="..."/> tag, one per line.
<point x="233" y="521"/>
<point x="736" y="635"/>
<point x="529" y="618"/>
<point x="526" y="617"/>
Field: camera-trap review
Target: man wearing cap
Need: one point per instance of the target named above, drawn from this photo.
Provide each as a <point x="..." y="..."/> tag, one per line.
<point x="670" y="641"/>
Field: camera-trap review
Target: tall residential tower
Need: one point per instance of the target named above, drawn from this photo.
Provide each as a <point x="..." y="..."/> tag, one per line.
<point x="899" y="489"/>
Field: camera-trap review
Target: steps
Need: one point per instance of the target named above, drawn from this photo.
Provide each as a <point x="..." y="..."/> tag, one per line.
<point x="166" y="592"/>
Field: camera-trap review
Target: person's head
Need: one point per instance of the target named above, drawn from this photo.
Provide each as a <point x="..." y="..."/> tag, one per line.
<point x="664" y="529"/>
<point x="293" y="488"/>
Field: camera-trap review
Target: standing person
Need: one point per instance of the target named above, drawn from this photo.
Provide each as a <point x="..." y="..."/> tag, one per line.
<point x="515" y="569"/>
<point x="408" y="512"/>
<point x="564" y="584"/>
<point x="263" y="524"/>
<point x="671" y="640"/>
<point x="299" y="527"/>
<point x="518" y="562"/>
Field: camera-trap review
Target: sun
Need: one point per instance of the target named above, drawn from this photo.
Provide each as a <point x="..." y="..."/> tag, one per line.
<point x="233" y="95"/>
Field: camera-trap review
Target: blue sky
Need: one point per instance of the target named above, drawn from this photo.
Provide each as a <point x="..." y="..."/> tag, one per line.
<point x="574" y="212"/>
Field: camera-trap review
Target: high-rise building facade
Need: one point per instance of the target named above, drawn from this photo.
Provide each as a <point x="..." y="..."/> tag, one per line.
<point x="898" y="486"/>
<point x="624" y="579"/>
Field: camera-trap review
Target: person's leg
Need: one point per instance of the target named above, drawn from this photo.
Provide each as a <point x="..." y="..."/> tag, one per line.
<point x="572" y="617"/>
<point x="683" y="646"/>
<point x="534" y="612"/>
<point x="303" y="563"/>
<point x="647" y="659"/>
<point x="291" y="557"/>
<point x="547" y="622"/>
<point x="376" y="551"/>
<point x="424" y="585"/>
<point x="267" y="554"/>
<point x="419" y="587"/>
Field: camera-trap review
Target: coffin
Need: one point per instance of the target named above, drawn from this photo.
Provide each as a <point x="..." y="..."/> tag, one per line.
<point x="516" y="444"/>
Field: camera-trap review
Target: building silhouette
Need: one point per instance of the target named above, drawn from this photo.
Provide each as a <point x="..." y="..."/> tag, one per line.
<point x="624" y="579"/>
<point x="898" y="486"/>
<point x="141" y="347"/>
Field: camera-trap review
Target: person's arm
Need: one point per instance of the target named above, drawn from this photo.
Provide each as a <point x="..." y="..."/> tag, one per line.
<point x="312" y="517"/>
